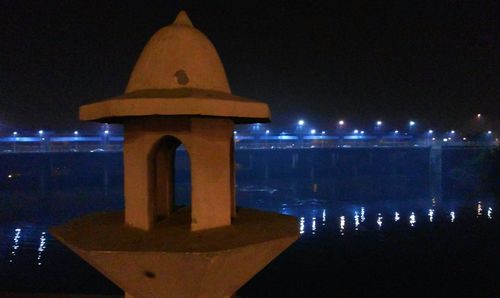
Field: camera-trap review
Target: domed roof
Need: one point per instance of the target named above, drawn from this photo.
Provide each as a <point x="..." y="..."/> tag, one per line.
<point x="179" y="73"/>
<point x="179" y="56"/>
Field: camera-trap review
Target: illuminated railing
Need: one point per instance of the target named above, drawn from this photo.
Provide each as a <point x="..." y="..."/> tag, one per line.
<point x="109" y="143"/>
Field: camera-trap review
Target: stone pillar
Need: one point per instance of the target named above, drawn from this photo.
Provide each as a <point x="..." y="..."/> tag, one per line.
<point x="138" y="184"/>
<point x="209" y="147"/>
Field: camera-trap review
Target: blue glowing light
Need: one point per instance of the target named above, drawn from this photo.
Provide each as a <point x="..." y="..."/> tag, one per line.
<point x="356" y="131"/>
<point x="301" y="122"/>
<point x="313" y="131"/>
<point x="412" y="123"/>
<point x="431" y="131"/>
<point x="40" y="132"/>
<point x="379" y="123"/>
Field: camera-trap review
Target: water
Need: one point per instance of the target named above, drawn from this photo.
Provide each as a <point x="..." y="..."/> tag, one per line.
<point x="407" y="237"/>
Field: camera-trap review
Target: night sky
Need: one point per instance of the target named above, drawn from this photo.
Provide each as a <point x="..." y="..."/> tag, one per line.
<point x="437" y="62"/>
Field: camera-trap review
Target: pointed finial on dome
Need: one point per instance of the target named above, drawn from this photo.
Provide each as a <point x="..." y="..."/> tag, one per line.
<point x="183" y="19"/>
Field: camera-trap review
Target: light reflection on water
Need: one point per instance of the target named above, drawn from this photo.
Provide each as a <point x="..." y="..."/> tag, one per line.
<point x="413" y="219"/>
<point x="41" y="248"/>
<point x="360" y="220"/>
<point x="356" y="220"/>
<point x="15" y="245"/>
<point x="342" y="225"/>
<point x="28" y="242"/>
<point x="379" y="220"/>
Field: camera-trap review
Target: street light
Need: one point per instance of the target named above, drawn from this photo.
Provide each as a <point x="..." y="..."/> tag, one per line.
<point x="490" y="132"/>
<point x="412" y="123"/>
<point x="313" y="131"/>
<point x="479" y="115"/>
<point x="75" y="133"/>
<point x="301" y="122"/>
<point x="341" y="122"/>
<point x="379" y="123"/>
<point x="452" y="132"/>
<point x="40" y="132"/>
<point x="396" y="131"/>
<point x="15" y="140"/>
<point x="356" y="131"/>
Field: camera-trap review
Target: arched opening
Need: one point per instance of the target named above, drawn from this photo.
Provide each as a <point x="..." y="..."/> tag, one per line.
<point x="171" y="181"/>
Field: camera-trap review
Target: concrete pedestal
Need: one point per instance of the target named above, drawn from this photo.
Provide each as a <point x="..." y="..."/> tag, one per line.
<point x="170" y="260"/>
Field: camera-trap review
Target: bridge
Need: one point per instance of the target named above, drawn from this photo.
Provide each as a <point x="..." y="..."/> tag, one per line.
<point x="105" y="141"/>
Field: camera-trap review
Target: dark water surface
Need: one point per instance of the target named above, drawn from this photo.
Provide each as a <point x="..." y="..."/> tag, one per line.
<point x="395" y="233"/>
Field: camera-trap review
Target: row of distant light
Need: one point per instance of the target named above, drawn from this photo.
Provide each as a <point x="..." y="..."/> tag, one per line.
<point x="312" y="131"/>
<point x="301" y="123"/>
<point x="379" y="123"/>
<point x="41" y="133"/>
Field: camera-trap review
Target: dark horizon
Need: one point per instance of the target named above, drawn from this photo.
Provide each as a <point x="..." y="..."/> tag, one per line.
<point x="436" y="63"/>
